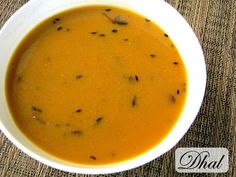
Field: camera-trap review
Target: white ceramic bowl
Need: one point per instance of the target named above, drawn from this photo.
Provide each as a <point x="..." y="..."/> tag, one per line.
<point x="158" y="11"/>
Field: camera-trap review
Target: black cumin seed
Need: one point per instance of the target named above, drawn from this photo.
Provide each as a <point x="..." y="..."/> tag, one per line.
<point x="78" y="76"/>
<point x="57" y="19"/>
<point x="102" y="35"/>
<point x="136" y="78"/>
<point x="134" y="101"/>
<point x="126" y="39"/>
<point x="98" y="120"/>
<point x="114" y="30"/>
<point x="77" y="132"/>
<point x="108" y="10"/>
<point x="175" y="63"/>
<point x="152" y="55"/>
<point x="36" y="109"/>
<point x="94" y="32"/>
<point x="147" y="20"/>
<point x="59" y="28"/>
<point x="172" y="98"/>
<point x="78" y="110"/>
<point x="67" y="29"/>
<point x="92" y="157"/>
<point x="177" y="92"/>
<point x="54" y="22"/>
<point x="166" y="35"/>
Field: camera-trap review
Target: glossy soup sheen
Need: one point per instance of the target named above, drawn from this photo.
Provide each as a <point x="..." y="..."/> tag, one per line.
<point x="96" y="85"/>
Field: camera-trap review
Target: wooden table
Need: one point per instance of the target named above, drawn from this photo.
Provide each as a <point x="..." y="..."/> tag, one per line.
<point x="214" y="23"/>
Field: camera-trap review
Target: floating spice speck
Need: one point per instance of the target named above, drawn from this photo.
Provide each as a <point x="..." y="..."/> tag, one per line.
<point x="134" y="101"/>
<point x="136" y="78"/>
<point x="92" y="157"/>
<point x="102" y="35"/>
<point x="59" y="28"/>
<point x="56" y="20"/>
<point x="132" y="79"/>
<point x="78" y="76"/>
<point x="78" y="110"/>
<point x="120" y="20"/>
<point x="109" y="18"/>
<point x="114" y="30"/>
<point x="172" y="99"/>
<point x="94" y="32"/>
<point x="125" y="39"/>
<point x="166" y="35"/>
<point x="175" y="63"/>
<point x="152" y="55"/>
<point x="77" y="132"/>
<point x="147" y="20"/>
<point x="34" y="117"/>
<point x="36" y="109"/>
<point x="99" y="120"/>
<point x="178" y="92"/>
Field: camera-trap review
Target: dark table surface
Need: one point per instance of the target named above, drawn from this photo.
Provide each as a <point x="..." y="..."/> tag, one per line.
<point x="214" y="23"/>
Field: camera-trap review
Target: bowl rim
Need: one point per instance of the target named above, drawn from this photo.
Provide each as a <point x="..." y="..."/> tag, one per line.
<point x="152" y="153"/>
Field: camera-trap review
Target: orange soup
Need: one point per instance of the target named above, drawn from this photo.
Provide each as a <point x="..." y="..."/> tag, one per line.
<point x="96" y="85"/>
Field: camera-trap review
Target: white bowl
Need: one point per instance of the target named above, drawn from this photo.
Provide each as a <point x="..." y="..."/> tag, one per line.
<point x="158" y="11"/>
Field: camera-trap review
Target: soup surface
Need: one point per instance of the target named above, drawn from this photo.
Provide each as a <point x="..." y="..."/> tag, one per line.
<point x="96" y="85"/>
